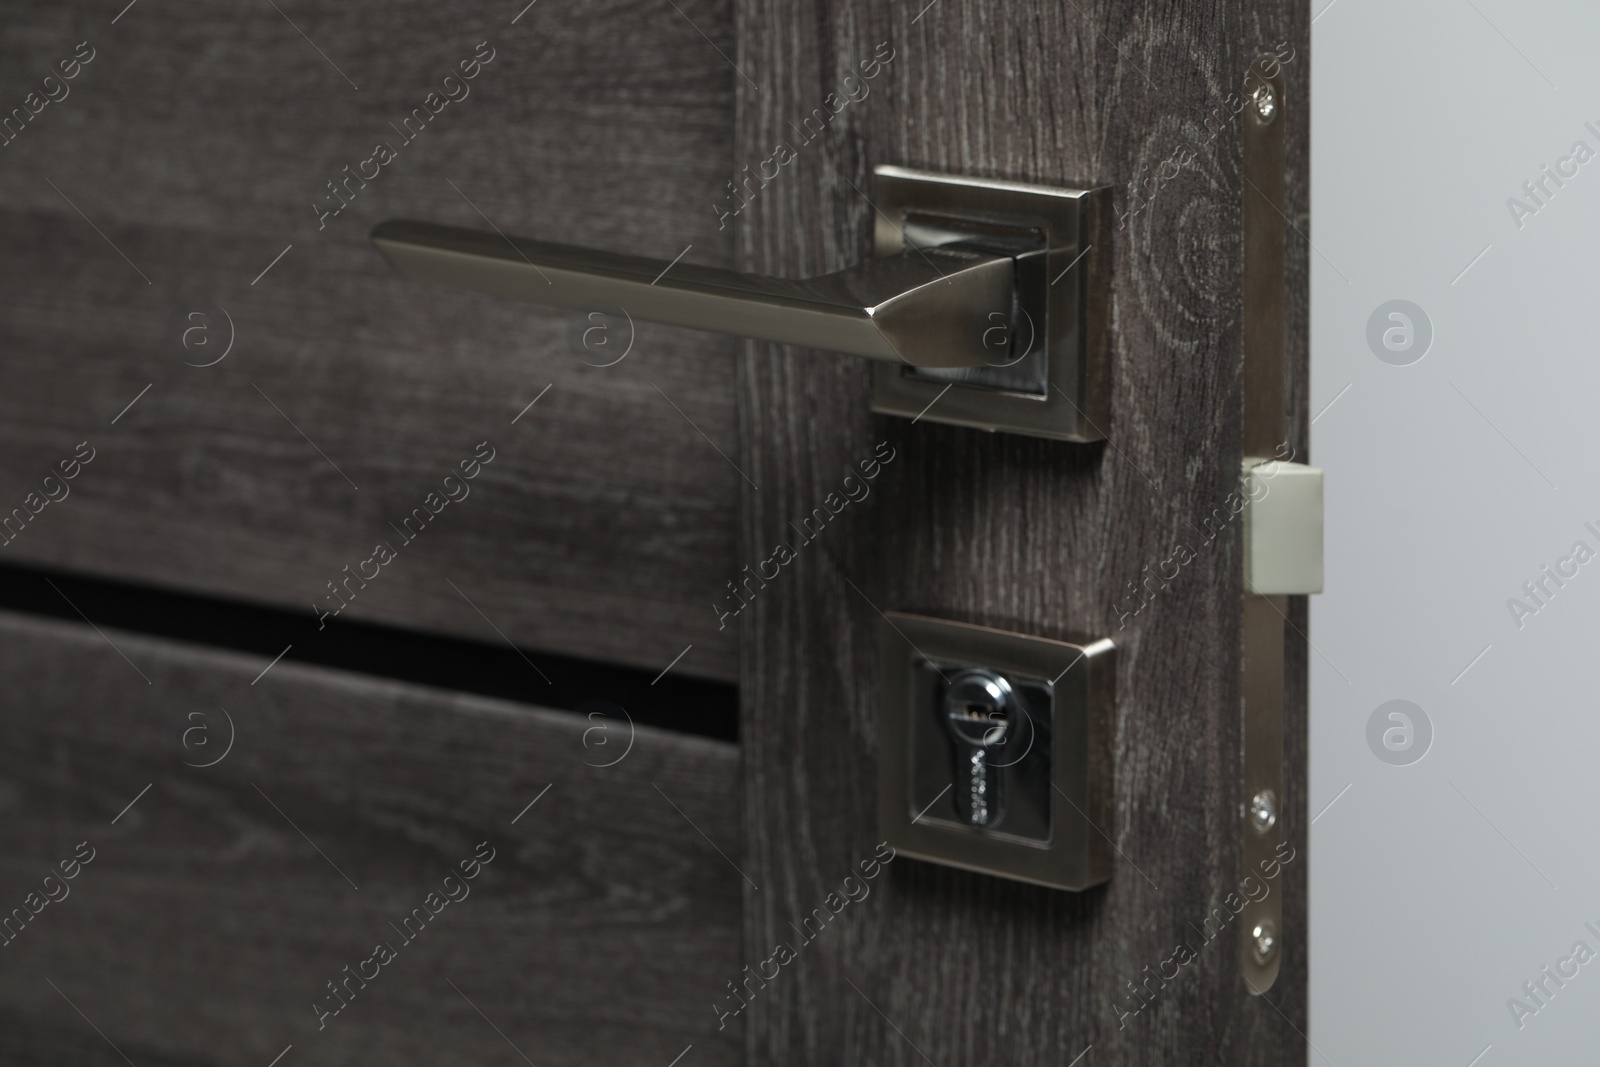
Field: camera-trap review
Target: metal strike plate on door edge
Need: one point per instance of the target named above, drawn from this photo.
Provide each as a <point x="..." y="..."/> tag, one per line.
<point x="1278" y="528"/>
<point x="1047" y="369"/>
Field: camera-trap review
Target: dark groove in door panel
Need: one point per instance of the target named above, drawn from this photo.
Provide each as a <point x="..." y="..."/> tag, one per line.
<point x="673" y="701"/>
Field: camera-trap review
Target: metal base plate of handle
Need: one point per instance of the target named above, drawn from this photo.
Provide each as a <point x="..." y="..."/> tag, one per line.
<point x="1047" y="373"/>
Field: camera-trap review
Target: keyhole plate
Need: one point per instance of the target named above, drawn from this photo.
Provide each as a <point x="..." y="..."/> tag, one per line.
<point x="1052" y="769"/>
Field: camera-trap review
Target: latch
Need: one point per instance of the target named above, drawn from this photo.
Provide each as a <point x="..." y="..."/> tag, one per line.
<point x="1282" y="528"/>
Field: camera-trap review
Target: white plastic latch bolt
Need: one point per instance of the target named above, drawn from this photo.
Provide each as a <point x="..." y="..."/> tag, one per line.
<point x="1282" y="528"/>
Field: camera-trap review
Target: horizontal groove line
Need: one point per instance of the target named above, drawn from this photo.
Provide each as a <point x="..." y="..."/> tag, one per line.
<point x="673" y="701"/>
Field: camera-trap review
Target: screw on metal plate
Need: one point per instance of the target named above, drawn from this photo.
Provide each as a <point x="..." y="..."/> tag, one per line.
<point x="1265" y="99"/>
<point x="1264" y="942"/>
<point x="1264" y="811"/>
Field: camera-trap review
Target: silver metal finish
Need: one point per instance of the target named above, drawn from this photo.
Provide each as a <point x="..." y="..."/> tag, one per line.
<point x="943" y="683"/>
<point x="1046" y="370"/>
<point x="927" y="308"/>
<point x="1264" y="435"/>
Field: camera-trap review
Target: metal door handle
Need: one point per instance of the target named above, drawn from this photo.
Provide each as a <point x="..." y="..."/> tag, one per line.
<point x="928" y="307"/>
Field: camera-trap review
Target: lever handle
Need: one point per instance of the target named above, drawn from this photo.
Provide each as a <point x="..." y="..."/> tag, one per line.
<point x="927" y="308"/>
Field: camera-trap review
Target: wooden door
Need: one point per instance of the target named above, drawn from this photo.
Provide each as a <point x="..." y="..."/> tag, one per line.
<point x="172" y="198"/>
<point x="945" y="966"/>
<point x="410" y="550"/>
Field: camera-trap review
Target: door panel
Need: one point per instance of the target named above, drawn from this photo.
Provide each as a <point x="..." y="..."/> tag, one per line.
<point x="1038" y="537"/>
<point x="215" y="908"/>
<point x="197" y="140"/>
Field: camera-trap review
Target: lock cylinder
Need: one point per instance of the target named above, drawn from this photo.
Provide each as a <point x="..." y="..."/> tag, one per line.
<point x="979" y="710"/>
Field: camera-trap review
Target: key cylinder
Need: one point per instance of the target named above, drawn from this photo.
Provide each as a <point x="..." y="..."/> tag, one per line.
<point x="979" y="712"/>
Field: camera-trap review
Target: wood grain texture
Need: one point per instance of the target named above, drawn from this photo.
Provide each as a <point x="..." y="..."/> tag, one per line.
<point x="208" y="922"/>
<point x="197" y="140"/>
<point x="944" y="966"/>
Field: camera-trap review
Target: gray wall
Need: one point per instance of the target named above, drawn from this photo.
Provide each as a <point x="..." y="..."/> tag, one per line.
<point x="1440" y="886"/>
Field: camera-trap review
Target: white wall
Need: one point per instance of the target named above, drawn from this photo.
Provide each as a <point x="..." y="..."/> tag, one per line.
<point x="1438" y="888"/>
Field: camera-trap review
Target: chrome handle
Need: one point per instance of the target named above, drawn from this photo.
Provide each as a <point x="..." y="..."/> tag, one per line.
<point x="933" y="307"/>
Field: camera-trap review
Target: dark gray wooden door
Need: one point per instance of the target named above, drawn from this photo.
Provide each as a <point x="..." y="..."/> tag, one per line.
<point x="145" y="216"/>
<point x="193" y="321"/>
<point x="249" y="848"/>
<point x="943" y="966"/>
<point x="250" y="402"/>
